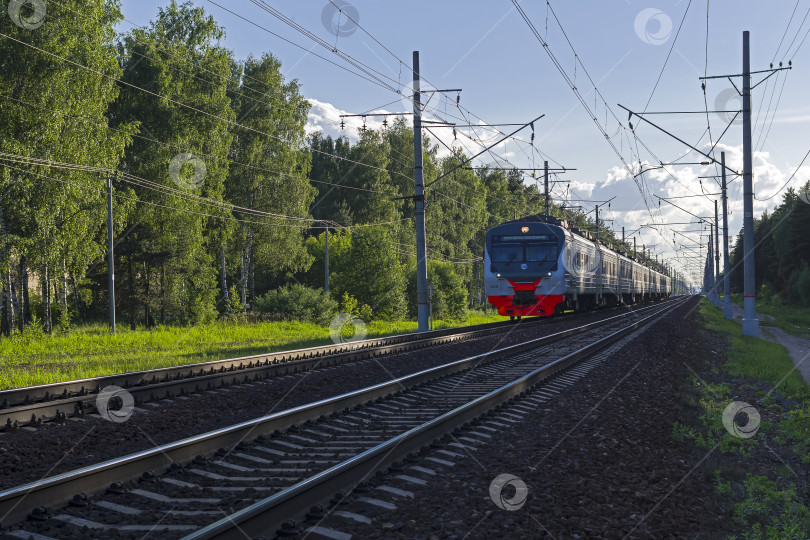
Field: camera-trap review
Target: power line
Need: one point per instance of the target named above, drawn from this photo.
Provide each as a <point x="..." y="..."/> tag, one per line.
<point x="666" y="61"/>
<point x="185" y="210"/>
<point x="788" y="180"/>
<point x="790" y="21"/>
<point x="180" y="103"/>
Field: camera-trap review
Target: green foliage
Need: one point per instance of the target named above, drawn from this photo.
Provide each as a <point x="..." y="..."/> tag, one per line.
<point x="711" y="432"/>
<point x="795" y="428"/>
<point x="235" y="302"/>
<point x="348" y="304"/>
<point x="449" y="293"/>
<point x="799" y="285"/>
<point x="363" y="264"/>
<point x="782" y="252"/>
<point x="767" y="512"/>
<point x="54" y="110"/>
<point x="269" y="173"/>
<point x="298" y="303"/>
<point x="365" y="312"/>
<point x="769" y="295"/>
<point x="173" y="240"/>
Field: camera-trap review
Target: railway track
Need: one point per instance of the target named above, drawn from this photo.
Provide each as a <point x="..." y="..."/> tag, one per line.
<point x="250" y="478"/>
<point x="34" y="405"/>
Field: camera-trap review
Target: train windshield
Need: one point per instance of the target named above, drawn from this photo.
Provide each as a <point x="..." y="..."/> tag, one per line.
<point x="541" y="252"/>
<point x="506" y="253"/>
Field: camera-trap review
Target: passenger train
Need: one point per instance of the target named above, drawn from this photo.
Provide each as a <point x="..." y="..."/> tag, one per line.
<point x="539" y="266"/>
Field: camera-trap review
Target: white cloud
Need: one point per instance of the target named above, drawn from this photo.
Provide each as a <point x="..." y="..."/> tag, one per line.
<point x="325" y="117"/>
<point x="680" y="184"/>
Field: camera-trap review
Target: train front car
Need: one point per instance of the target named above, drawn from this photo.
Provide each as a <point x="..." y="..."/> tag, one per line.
<point x="524" y="274"/>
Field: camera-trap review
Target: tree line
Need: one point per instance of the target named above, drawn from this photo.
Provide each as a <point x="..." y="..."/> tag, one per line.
<point x="781" y="252"/>
<point x="221" y="202"/>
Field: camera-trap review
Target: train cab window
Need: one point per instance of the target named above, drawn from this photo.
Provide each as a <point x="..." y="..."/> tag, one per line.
<point x="506" y="253"/>
<point x="541" y="252"/>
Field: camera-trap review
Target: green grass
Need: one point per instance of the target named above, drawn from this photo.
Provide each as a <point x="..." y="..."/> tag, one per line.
<point x="791" y="319"/>
<point x="767" y="511"/>
<point x="756" y="358"/>
<point x="90" y="351"/>
<point x="761" y="506"/>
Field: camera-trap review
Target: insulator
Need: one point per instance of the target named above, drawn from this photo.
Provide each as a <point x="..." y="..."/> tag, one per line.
<point x="342" y="125"/>
<point x="385" y="122"/>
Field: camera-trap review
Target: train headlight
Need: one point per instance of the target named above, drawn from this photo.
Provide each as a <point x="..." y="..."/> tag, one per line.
<point x="497" y="275"/>
<point x="549" y="273"/>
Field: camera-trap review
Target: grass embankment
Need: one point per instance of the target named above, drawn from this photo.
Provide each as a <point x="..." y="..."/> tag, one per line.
<point x="759" y="480"/>
<point x="89" y="351"/>
<point x="791" y="319"/>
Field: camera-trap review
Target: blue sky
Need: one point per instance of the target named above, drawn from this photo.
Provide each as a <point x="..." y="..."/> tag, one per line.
<point x="487" y="49"/>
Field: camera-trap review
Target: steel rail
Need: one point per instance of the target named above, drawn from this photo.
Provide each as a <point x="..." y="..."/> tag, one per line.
<point x="18" y="502"/>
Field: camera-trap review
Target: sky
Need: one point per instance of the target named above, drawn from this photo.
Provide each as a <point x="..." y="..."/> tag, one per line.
<point x="644" y="55"/>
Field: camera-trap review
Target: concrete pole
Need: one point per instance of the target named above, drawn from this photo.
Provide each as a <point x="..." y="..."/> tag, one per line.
<point x="716" y="255"/>
<point x="326" y="263"/>
<point x="110" y="254"/>
<point x="597" y="223"/>
<point x="419" y="204"/>
<point x="545" y="169"/>
<point x="750" y="324"/>
<point x="710" y="264"/>
<point x="726" y="278"/>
